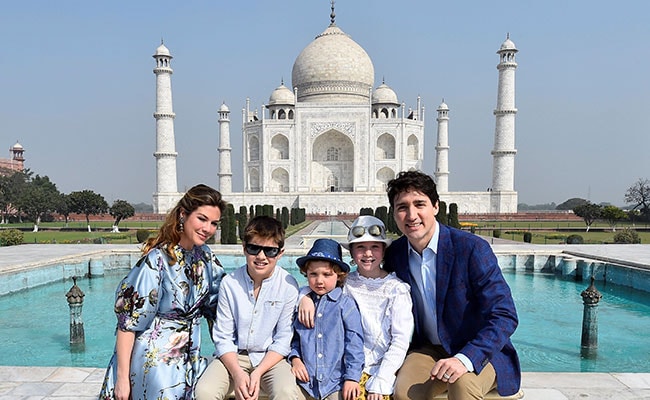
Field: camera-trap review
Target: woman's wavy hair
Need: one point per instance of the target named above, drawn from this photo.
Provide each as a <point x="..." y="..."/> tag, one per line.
<point x="169" y="234"/>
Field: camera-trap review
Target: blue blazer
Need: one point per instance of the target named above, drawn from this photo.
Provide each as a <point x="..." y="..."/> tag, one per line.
<point x="475" y="310"/>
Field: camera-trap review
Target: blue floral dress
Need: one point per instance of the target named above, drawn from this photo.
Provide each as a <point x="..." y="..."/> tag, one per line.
<point x="163" y="304"/>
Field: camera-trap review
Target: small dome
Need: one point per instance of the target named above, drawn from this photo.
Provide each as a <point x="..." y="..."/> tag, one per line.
<point x="333" y="68"/>
<point x="443" y="106"/>
<point x="508" y="45"/>
<point x="162" y="51"/>
<point x="17" y="146"/>
<point x="224" y="108"/>
<point x="384" y="95"/>
<point x="282" y="95"/>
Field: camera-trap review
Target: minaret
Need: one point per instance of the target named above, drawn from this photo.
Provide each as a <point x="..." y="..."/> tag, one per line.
<point x="166" y="184"/>
<point x="503" y="154"/>
<point x="442" y="149"/>
<point x="225" y="166"/>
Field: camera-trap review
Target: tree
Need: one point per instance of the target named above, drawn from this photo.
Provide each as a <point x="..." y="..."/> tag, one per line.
<point x="571" y="204"/>
<point x="88" y="203"/>
<point x="64" y="207"/>
<point x="613" y="214"/>
<point x="37" y="197"/>
<point x="453" y="216"/>
<point x="442" y="213"/>
<point x="589" y="212"/>
<point x="121" y="209"/>
<point x="10" y="188"/>
<point x="639" y="196"/>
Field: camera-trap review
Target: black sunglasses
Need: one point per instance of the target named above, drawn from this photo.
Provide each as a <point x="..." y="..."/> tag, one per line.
<point x="269" y="251"/>
<point x="373" y="230"/>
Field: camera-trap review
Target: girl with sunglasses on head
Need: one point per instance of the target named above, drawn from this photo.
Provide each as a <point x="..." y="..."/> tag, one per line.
<point x="385" y="304"/>
<point x="159" y="305"/>
<point x="252" y="332"/>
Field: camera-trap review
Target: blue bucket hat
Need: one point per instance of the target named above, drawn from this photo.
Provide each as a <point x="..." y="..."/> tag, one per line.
<point x="325" y="250"/>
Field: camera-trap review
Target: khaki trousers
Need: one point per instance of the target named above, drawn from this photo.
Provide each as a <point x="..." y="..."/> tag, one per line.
<point x="414" y="378"/>
<point x="278" y="383"/>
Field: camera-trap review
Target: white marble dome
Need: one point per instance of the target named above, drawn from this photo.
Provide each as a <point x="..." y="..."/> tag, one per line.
<point x="333" y="68"/>
<point x="224" y="108"/>
<point x="162" y="51"/>
<point x="508" y="45"/>
<point x="282" y="95"/>
<point x="384" y="95"/>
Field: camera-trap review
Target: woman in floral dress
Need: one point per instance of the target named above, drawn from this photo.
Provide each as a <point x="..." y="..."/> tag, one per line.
<point x="160" y="303"/>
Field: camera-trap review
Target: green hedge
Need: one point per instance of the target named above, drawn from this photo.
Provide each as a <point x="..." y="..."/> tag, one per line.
<point x="11" y="237"/>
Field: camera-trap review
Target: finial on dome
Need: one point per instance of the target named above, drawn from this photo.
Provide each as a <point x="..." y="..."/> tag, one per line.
<point x="161" y="40"/>
<point x="332" y="15"/>
<point x="507" y="35"/>
<point x="383" y="80"/>
<point x="282" y="81"/>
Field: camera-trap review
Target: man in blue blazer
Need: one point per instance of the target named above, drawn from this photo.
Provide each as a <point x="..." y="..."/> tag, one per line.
<point x="463" y="308"/>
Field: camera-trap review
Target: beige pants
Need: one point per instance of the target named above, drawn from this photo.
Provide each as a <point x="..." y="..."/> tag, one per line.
<point x="305" y="396"/>
<point x="414" y="378"/>
<point x="278" y="383"/>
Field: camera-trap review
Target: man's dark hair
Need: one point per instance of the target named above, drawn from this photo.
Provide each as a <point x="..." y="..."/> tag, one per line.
<point x="407" y="181"/>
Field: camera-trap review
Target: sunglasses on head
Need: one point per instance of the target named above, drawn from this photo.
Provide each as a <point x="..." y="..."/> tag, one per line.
<point x="269" y="251"/>
<point x="373" y="230"/>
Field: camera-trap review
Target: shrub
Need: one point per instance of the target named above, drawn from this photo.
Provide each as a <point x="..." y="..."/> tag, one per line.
<point x="574" y="239"/>
<point x="496" y="233"/>
<point x="141" y="235"/>
<point x="627" y="236"/>
<point x="11" y="237"/>
<point x="528" y="237"/>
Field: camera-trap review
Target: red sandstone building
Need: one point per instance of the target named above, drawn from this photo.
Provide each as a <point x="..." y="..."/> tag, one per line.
<point x="15" y="163"/>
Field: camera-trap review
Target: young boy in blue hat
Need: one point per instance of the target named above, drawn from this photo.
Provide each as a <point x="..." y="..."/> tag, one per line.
<point x="328" y="359"/>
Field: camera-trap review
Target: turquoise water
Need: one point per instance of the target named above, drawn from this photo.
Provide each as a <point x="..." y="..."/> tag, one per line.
<point x="34" y="324"/>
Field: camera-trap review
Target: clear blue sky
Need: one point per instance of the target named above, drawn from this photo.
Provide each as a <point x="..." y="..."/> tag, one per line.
<point x="78" y="92"/>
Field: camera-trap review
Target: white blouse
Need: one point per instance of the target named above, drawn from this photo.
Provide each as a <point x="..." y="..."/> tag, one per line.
<point x="387" y="319"/>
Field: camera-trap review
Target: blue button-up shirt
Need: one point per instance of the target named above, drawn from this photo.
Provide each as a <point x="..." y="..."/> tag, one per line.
<point x="255" y="325"/>
<point x="333" y="350"/>
<point x="424" y="273"/>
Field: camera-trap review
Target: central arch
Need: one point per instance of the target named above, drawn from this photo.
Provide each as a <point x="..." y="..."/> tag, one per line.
<point x="332" y="165"/>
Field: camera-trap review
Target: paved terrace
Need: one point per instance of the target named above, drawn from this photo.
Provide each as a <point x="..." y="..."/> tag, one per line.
<point x="62" y="383"/>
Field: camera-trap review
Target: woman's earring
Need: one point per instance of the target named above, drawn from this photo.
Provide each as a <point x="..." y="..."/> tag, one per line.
<point x="181" y="222"/>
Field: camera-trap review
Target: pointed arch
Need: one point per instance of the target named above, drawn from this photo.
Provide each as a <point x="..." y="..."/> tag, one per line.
<point x="279" y="180"/>
<point x="253" y="148"/>
<point x="412" y="145"/>
<point x="332" y="165"/>
<point x="385" y="149"/>
<point x="254" y="180"/>
<point x="279" y="147"/>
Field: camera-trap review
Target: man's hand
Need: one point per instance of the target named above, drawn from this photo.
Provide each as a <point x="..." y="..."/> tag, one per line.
<point x="448" y="370"/>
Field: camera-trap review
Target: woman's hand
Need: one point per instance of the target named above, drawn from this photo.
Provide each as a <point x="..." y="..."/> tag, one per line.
<point x="122" y="390"/>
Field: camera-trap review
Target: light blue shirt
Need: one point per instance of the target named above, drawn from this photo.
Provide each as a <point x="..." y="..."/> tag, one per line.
<point x="332" y="350"/>
<point x="255" y="325"/>
<point x="423" y="271"/>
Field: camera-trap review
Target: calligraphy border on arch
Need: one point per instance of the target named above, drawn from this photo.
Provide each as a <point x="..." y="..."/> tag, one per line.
<point x="319" y="127"/>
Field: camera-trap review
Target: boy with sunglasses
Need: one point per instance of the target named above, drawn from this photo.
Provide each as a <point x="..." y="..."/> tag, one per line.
<point x="252" y="332"/>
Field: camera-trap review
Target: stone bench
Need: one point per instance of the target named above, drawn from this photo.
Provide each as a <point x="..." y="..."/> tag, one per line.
<point x="493" y="395"/>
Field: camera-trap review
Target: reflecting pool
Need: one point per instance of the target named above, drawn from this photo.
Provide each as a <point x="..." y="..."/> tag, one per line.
<point x="34" y="324"/>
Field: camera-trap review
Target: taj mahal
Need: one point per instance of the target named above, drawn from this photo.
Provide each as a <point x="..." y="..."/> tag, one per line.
<point x="331" y="140"/>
